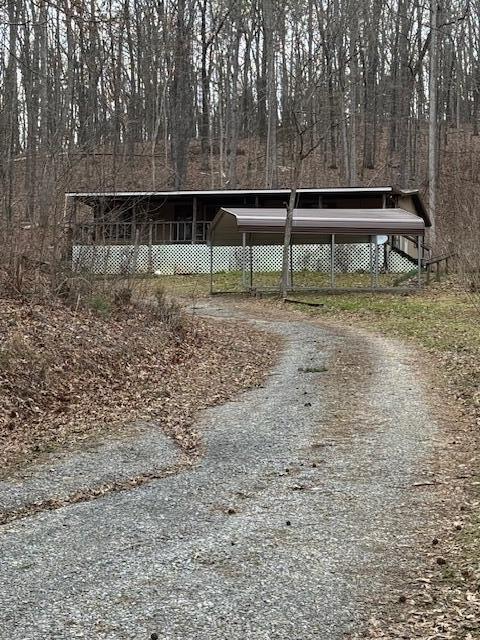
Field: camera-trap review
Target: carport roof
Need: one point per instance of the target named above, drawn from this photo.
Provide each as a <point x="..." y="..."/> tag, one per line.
<point x="230" y="223"/>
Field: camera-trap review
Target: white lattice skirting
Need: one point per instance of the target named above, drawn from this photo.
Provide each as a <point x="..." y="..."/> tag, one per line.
<point x="189" y="259"/>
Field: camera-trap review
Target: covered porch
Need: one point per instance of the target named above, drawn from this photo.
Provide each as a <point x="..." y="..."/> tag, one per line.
<point x="155" y="218"/>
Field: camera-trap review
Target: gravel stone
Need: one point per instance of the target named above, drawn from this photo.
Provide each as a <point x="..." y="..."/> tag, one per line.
<point x="167" y="558"/>
<point x="145" y="448"/>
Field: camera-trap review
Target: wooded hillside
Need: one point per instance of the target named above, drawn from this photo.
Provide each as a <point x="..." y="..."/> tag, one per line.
<point x="216" y="93"/>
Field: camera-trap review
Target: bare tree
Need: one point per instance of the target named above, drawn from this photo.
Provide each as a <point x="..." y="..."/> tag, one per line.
<point x="432" y="117"/>
<point x="207" y="92"/>
<point x="181" y="94"/>
<point x="302" y="151"/>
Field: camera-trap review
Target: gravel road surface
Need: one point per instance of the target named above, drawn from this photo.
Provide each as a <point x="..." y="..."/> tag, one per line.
<point x="301" y="513"/>
<point x="144" y="450"/>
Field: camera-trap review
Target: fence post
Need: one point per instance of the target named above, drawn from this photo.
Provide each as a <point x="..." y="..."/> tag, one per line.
<point x="251" y="259"/>
<point x="419" y="261"/>
<point x="332" y="261"/>
<point x="150" y="249"/>
<point x="68" y="247"/>
<point x="291" y="266"/>
<point x="244" y="259"/>
<point x="370" y="245"/>
<point x="135" y="250"/>
<point x="211" y="266"/>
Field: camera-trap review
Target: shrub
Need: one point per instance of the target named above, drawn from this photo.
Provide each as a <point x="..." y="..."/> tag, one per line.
<point x="169" y="312"/>
<point x="100" y="303"/>
<point x="75" y="290"/>
<point x="123" y="297"/>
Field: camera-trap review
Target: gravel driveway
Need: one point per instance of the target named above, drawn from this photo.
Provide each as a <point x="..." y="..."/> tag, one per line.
<point x="301" y="513"/>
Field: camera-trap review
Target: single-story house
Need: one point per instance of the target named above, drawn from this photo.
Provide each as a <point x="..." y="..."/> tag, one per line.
<point x="168" y="231"/>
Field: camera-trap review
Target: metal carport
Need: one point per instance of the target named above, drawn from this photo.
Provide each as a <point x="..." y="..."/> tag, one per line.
<point x="359" y="232"/>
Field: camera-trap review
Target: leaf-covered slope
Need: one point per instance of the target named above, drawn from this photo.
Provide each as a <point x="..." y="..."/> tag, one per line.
<point x="66" y="375"/>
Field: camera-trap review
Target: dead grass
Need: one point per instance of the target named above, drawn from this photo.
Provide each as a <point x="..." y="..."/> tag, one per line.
<point x="443" y="319"/>
<point x="198" y="285"/>
<point x="443" y="602"/>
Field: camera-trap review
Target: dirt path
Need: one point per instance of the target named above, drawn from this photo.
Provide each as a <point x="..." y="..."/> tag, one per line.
<point x="304" y="508"/>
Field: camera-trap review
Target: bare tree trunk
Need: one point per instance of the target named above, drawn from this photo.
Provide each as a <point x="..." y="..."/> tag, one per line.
<point x="288" y="227"/>
<point x="205" y="87"/>
<point x="432" y="120"/>
<point x="370" y="94"/>
<point x="301" y="153"/>
<point x="271" y="174"/>
<point x="353" y="106"/>
<point x="232" y="112"/>
<point x="181" y="98"/>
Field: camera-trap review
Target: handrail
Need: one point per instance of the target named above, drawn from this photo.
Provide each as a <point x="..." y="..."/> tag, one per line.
<point x="437" y="261"/>
<point x="415" y="242"/>
<point x="164" y="232"/>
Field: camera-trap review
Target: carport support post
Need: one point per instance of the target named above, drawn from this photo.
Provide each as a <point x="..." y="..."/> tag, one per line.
<point x="419" y="260"/>
<point x="291" y="267"/>
<point x="244" y="259"/>
<point x="250" y="259"/>
<point x="250" y="256"/>
<point x="194" y="220"/>
<point x="332" y="261"/>
<point x="372" y="281"/>
<point x="211" y="266"/>
<point x="150" y="249"/>
<point x="376" y="259"/>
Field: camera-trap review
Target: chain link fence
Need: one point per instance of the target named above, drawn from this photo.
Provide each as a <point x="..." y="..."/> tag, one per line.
<point x="232" y="268"/>
<point x="311" y="267"/>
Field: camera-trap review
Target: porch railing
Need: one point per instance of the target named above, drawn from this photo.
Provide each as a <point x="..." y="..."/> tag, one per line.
<point x="172" y="232"/>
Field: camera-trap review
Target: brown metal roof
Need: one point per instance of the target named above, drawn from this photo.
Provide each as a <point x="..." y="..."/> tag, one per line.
<point x="131" y="197"/>
<point x="95" y="197"/>
<point x="313" y="225"/>
<point x="214" y="192"/>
